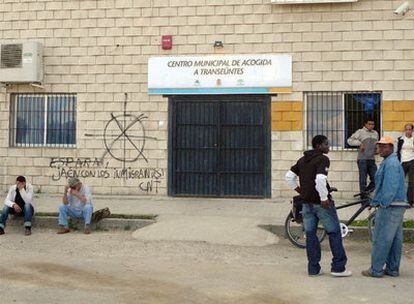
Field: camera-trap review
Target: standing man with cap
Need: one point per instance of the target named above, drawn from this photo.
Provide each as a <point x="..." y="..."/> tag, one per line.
<point x="391" y="200"/>
<point x="19" y="201"/>
<point x="77" y="203"/>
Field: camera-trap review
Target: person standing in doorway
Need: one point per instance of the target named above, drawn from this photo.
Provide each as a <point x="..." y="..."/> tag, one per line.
<point x="390" y="199"/>
<point x="405" y="153"/>
<point x="366" y="138"/>
<point x="312" y="170"/>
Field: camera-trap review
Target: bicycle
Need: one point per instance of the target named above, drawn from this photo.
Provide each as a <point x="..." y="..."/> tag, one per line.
<point x="295" y="231"/>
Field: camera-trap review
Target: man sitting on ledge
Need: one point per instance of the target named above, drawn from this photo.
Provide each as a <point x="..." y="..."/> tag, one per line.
<point x="19" y="201"/>
<point x="77" y="203"/>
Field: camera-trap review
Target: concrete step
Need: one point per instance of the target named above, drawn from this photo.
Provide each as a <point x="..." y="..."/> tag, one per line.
<point x="111" y="223"/>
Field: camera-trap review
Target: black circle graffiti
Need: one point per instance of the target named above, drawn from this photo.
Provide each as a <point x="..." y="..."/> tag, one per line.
<point x="128" y="130"/>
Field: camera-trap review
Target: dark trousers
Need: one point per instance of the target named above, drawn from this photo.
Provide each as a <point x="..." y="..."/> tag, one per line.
<point x="367" y="167"/>
<point x="409" y="169"/>
<point x="312" y="215"/>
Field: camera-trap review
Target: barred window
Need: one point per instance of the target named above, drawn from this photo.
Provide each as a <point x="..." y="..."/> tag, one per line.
<point x="38" y="120"/>
<point x="337" y="115"/>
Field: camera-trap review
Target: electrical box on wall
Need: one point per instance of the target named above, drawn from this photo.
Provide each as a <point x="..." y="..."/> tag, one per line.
<point x="166" y="42"/>
<point x="21" y="62"/>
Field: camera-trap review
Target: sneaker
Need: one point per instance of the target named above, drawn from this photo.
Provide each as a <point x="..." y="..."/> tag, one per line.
<point x="1" y="231"/>
<point x="63" y="230"/>
<point x="317" y="274"/>
<point x="343" y="274"/>
<point x="87" y="230"/>
<point x="28" y="231"/>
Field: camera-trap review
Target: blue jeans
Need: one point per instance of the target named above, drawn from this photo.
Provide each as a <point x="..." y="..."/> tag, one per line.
<point x="366" y="167"/>
<point x="27" y="212"/>
<point x="388" y="241"/>
<point x="312" y="214"/>
<point x="66" y="210"/>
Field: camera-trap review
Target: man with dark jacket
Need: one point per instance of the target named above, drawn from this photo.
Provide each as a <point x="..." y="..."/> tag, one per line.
<point x="312" y="170"/>
<point x="405" y="153"/>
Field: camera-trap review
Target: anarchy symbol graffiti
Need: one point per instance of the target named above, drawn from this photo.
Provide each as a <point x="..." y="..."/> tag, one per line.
<point x="124" y="137"/>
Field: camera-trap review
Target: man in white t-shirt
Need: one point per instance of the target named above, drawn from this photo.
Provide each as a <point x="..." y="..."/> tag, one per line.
<point x="405" y="153"/>
<point x="77" y="203"/>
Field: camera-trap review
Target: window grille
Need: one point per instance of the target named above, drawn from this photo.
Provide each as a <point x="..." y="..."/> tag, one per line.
<point x="43" y="120"/>
<point x="337" y="115"/>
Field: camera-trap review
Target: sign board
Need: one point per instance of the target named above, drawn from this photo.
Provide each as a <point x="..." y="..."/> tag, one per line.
<point x="220" y="74"/>
<point x="310" y="1"/>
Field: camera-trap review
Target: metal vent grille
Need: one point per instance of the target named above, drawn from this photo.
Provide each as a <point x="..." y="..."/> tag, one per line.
<point x="11" y="56"/>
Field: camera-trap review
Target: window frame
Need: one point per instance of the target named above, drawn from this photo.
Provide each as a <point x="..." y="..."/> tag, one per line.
<point x="45" y="97"/>
<point x="341" y="147"/>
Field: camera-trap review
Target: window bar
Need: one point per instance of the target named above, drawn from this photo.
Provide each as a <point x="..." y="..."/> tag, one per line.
<point x="334" y="113"/>
<point x="58" y="119"/>
<point x="33" y="109"/>
<point x="15" y="100"/>
<point x="51" y="117"/>
<point x="45" y="126"/>
<point x="331" y="124"/>
<point x="320" y="114"/>
<point x="64" y="126"/>
<point x="29" y="104"/>
<point x="39" y="105"/>
<point x="339" y="122"/>
<point x="74" y="118"/>
<point x="70" y="121"/>
<point x="309" y="117"/>
<point x="17" y="113"/>
<point x="22" y="118"/>
<point x="68" y="101"/>
<point x="34" y="114"/>
<point x="60" y="112"/>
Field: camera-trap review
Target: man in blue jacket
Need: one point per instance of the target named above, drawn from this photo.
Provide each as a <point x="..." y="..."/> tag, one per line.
<point x="391" y="200"/>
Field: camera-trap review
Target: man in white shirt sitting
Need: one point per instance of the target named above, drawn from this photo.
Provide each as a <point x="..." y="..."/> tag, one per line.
<point x="77" y="203"/>
<point x="19" y="201"/>
<point x="405" y="153"/>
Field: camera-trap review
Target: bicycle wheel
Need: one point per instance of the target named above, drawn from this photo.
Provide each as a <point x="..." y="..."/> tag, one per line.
<point x="295" y="232"/>
<point x="371" y="225"/>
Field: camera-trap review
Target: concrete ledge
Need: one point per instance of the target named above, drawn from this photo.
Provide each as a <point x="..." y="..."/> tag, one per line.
<point x="359" y="233"/>
<point x="51" y="222"/>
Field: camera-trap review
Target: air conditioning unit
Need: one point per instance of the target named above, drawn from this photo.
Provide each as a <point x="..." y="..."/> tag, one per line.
<point x="21" y="62"/>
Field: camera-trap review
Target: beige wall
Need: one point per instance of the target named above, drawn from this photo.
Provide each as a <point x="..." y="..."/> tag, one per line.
<point x="99" y="50"/>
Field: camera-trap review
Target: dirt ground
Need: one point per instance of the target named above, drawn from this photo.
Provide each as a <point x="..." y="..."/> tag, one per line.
<point x="116" y="268"/>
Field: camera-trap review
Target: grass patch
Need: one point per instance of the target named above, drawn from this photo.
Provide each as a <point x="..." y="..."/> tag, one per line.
<point x="134" y="216"/>
<point x="127" y="227"/>
<point x="364" y="223"/>
<point x="119" y="216"/>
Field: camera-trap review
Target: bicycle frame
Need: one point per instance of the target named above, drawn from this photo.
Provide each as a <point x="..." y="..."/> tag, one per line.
<point x="364" y="205"/>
